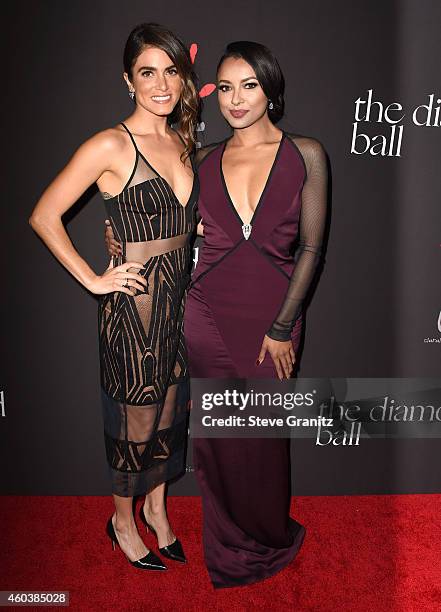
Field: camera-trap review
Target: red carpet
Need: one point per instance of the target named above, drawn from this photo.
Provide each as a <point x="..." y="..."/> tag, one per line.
<point x="360" y="553"/>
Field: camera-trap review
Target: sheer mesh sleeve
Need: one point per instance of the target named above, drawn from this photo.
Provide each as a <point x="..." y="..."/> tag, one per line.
<point x="202" y="153"/>
<point x="312" y="224"/>
<point x="199" y="157"/>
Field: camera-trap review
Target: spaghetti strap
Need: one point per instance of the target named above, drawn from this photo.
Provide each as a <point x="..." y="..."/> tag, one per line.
<point x="139" y="152"/>
<point x="133" y="140"/>
<point x="131" y="137"/>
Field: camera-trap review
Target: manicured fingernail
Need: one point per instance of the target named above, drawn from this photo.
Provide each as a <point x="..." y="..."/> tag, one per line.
<point x="257" y="362"/>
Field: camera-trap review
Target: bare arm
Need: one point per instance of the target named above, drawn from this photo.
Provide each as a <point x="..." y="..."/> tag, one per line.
<point x="85" y="167"/>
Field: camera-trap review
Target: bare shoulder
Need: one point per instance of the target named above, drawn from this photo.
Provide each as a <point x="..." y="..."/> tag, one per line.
<point x="312" y="150"/>
<point x="111" y="140"/>
<point x="102" y="150"/>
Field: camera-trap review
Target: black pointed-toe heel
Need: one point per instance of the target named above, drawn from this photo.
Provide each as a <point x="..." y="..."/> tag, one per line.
<point x="173" y="551"/>
<point x="149" y="562"/>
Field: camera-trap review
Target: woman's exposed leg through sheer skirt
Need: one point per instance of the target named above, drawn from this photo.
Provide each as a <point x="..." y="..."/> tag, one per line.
<point x="144" y="377"/>
<point x="145" y="445"/>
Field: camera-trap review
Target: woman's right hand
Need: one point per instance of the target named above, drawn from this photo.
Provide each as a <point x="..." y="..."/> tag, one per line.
<point x="113" y="246"/>
<point x="118" y="278"/>
<point x="200" y="229"/>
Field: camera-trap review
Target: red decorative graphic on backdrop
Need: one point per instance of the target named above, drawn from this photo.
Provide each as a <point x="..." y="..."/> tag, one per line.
<point x="208" y="88"/>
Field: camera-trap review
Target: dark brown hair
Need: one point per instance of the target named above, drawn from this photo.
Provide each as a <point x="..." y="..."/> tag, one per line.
<point x="186" y="112"/>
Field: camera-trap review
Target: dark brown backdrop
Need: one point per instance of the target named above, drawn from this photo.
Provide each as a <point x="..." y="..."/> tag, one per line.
<point x="378" y="298"/>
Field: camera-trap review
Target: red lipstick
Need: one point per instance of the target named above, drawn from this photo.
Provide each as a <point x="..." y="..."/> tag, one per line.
<point x="237" y="114"/>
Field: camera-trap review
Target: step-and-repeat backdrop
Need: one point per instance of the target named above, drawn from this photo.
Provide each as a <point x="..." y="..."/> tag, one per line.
<point x="363" y="78"/>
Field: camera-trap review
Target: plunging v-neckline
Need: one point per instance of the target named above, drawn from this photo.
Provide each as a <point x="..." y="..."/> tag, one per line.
<point x="167" y="183"/>
<point x="260" y="200"/>
<point x="143" y="157"/>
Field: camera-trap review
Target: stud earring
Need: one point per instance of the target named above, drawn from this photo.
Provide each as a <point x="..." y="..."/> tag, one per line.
<point x="270" y="105"/>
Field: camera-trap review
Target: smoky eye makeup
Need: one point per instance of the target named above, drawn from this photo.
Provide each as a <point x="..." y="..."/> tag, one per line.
<point x="246" y="84"/>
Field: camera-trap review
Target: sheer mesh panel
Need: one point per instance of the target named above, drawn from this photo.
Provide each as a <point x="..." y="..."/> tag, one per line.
<point x="142" y="251"/>
<point x="201" y="153"/>
<point x="142" y="172"/>
<point x="144" y="376"/>
<point x="199" y="157"/>
<point x="141" y="336"/>
<point x="145" y="445"/>
<point x="312" y="225"/>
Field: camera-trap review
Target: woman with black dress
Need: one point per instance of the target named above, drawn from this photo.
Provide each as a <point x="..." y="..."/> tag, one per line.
<point x="144" y="171"/>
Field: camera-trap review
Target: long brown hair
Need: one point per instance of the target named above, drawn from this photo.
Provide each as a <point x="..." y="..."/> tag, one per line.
<point x="186" y="112"/>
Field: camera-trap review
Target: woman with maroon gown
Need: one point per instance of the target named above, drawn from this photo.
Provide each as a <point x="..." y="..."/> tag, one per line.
<point x="260" y="190"/>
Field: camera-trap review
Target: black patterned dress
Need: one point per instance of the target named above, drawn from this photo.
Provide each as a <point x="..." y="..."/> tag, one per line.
<point x="143" y="359"/>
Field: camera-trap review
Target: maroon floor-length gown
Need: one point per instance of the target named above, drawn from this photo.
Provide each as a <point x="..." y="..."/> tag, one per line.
<point x="238" y="287"/>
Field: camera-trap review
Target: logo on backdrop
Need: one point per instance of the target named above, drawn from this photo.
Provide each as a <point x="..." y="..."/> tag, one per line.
<point x="205" y="91"/>
<point x="389" y="142"/>
<point x="195" y="256"/>
<point x="208" y="88"/>
<point x="435" y="340"/>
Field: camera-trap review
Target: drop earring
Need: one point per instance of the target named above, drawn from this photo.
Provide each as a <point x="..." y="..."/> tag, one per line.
<point x="270" y="105"/>
<point x="131" y="94"/>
